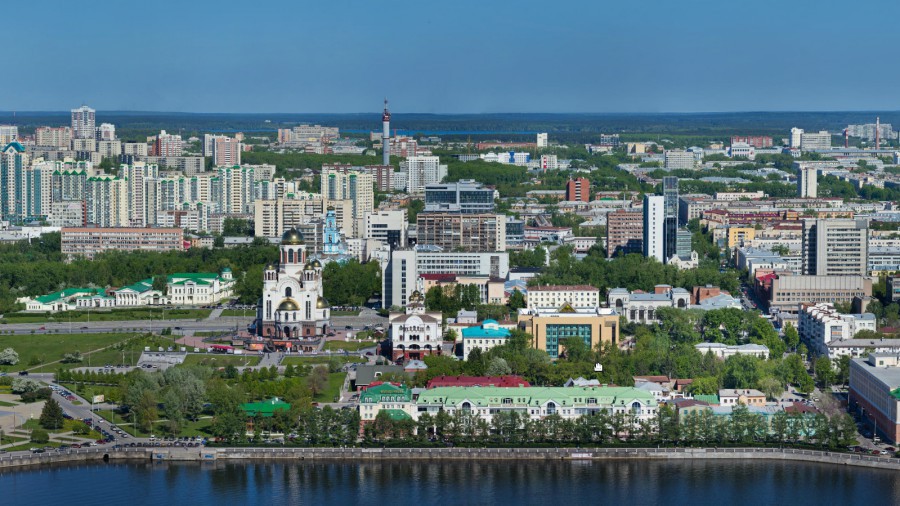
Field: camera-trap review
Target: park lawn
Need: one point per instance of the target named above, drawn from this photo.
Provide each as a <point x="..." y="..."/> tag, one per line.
<point x="7" y="439"/>
<point x="68" y="426"/>
<point x="200" y="427"/>
<point x="27" y="446"/>
<point x="6" y="404"/>
<point x="343" y="359"/>
<point x="349" y="345"/>
<point x="87" y="391"/>
<point x="243" y="313"/>
<point x="51" y="347"/>
<point x="107" y="316"/>
<point x="218" y="360"/>
<point x="333" y="389"/>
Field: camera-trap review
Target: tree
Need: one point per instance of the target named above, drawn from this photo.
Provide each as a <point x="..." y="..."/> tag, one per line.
<point x="498" y="367"/>
<point x="516" y="300"/>
<point x="40" y="436"/>
<point x="771" y="387"/>
<point x="791" y="336"/>
<point x="741" y="371"/>
<point x="704" y="386"/>
<point x="318" y="380"/>
<point x="9" y="357"/>
<point x="824" y="371"/>
<point x="576" y="350"/>
<point x="71" y="358"/>
<point x="161" y="283"/>
<point x="51" y="415"/>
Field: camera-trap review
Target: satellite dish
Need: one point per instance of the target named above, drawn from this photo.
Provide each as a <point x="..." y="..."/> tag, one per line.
<point x="598" y="367"/>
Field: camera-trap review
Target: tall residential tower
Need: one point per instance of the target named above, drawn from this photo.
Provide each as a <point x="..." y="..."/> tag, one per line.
<point x="386" y="135"/>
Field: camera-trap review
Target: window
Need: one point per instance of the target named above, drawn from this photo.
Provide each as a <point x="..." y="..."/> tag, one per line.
<point x="466" y="406"/>
<point x="288" y="291"/>
<point x="551" y="408"/>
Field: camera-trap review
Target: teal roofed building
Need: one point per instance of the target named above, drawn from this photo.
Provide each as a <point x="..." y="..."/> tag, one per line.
<point x="386" y="396"/>
<point x="484" y="337"/>
<point x="187" y="289"/>
<point x="69" y="299"/>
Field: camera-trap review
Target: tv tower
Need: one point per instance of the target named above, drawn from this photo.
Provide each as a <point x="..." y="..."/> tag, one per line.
<point x="386" y="135"/>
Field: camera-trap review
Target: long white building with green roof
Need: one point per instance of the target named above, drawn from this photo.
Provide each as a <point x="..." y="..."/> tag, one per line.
<point x="485" y="402"/>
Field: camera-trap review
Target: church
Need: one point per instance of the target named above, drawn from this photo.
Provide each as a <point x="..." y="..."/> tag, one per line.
<point x="292" y="313"/>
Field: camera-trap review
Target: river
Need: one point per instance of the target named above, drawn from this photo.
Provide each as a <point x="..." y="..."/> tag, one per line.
<point x="419" y="483"/>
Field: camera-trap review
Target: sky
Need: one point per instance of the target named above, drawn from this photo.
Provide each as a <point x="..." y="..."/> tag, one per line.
<point x="461" y="56"/>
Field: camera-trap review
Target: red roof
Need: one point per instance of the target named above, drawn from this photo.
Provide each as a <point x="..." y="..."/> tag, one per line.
<point x="477" y="381"/>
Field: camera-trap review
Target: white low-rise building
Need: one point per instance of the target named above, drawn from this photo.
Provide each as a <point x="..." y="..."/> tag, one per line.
<point x="556" y="296"/>
<point x="821" y="324"/>
<point x="415" y="332"/>
<point x="723" y="351"/>
<point x="642" y="307"/>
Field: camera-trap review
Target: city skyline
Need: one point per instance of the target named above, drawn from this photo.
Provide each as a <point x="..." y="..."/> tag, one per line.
<point x="475" y="58"/>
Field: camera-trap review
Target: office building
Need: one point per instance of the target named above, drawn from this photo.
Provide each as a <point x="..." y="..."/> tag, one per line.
<point x="788" y="292"/>
<point x="53" y="137"/>
<point x="389" y="227"/>
<point x="875" y="393"/>
<point x="542" y="140"/>
<point x="624" y="232"/>
<point x="654" y="226"/>
<point x="807" y="182"/>
<point x="549" y="329"/>
<point x="812" y="141"/>
<point x="670" y="224"/>
<point x="835" y="247"/>
<point x="465" y="196"/>
<point x="549" y="162"/>
<point x="466" y="232"/>
<point x="403" y="267"/>
<point x="421" y="171"/>
<point x="577" y="297"/>
<point x="357" y="187"/>
<point x="89" y="241"/>
<point x="83" y="123"/>
<point x="578" y="190"/>
<point x="678" y="159"/>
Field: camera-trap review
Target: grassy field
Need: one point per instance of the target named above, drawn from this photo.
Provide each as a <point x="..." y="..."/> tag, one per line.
<point x="46" y="348"/>
<point x="11" y="439"/>
<point x="201" y="427"/>
<point x="68" y="426"/>
<point x="107" y="316"/>
<point x="217" y="360"/>
<point x="349" y="345"/>
<point x="349" y="359"/>
<point x="51" y="347"/>
<point x="333" y="389"/>
<point x="243" y="313"/>
<point x="7" y="404"/>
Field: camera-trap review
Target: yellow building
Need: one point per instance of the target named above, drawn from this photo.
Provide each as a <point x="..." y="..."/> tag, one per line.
<point x="737" y="236"/>
<point x="549" y="328"/>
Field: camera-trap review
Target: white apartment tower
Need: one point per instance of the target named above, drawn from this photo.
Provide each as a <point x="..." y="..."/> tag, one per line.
<point x="807" y="182"/>
<point x="654" y="224"/>
<point x="542" y="140"/>
<point x="83" y="123"/>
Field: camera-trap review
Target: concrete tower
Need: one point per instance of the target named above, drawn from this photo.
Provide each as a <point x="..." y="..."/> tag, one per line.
<point x="386" y="135"/>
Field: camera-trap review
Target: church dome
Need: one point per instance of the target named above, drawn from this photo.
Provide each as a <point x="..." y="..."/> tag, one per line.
<point x="288" y="305"/>
<point x="292" y="236"/>
<point x="322" y="303"/>
<point x="308" y="266"/>
<point x="316" y="263"/>
<point x="416" y="296"/>
<point x="270" y="267"/>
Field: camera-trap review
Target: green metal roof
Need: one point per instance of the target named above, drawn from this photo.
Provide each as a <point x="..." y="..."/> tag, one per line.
<point x="709" y="399"/>
<point x="535" y="396"/>
<point x="265" y="408"/>
<point x="386" y="392"/>
<point x="396" y="414"/>
<point x="67" y="293"/>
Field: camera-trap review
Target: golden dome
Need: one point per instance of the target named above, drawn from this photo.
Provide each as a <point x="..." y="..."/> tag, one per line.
<point x="288" y="305"/>
<point x="416" y="296"/>
<point x="316" y="263"/>
<point x="292" y="237"/>
<point x="308" y="266"/>
<point x="321" y="303"/>
<point x="270" y="267"/>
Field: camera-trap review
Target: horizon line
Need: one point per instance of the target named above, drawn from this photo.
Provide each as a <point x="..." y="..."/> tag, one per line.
<point x="636" y="113"/>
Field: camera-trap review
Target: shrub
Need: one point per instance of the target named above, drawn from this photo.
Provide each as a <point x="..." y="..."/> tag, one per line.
<point x="40" y="436"/>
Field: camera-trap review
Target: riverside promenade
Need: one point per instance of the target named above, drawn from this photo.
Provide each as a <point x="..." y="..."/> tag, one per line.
<point x="224" y="455"/>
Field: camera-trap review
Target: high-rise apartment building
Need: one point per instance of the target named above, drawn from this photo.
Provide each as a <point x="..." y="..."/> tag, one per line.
<point x="807" y="182"/>
<point x="462" y="232"/>
<point x="225" y="151"/>
<point x="796" y="137"/>
<point x="138" y="177"/>
<point x="106" y="132"/>
<point x="38" y="190"/>
<point x="835" y="247"/>
<point x="106" y="201"/>
<point x="624" y="232"/>
<point x="13" y="164"/>
<point x="421" y="171"/>
<point x="168" y="145"/>
<point x="465" y="196"/>
<point x="8" y="133"/>
<point x="357" y="187"/>
<point x="542" y="141"/>
<point x="231" y="190"/>
<point x="83" y="123"/>
<point x="53" y="137"/>
<point x="578" y="190"/>
<point x="654" y="225"/>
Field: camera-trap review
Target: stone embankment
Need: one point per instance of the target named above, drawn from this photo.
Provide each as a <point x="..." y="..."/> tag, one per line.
<point x="435" y="454"/>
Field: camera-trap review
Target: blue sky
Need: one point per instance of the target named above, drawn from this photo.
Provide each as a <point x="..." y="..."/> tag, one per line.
<point x="461" y="56"/>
